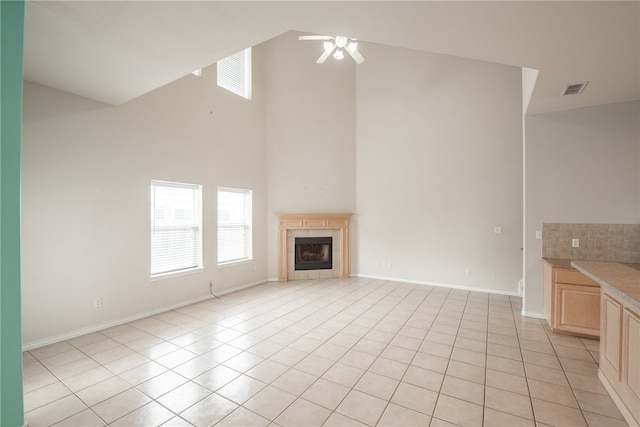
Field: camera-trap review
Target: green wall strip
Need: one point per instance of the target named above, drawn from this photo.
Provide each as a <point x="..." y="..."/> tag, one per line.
<point x="11" y="42"/>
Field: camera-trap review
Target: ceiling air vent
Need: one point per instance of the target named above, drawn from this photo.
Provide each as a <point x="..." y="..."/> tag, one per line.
<point x="574" y="89"/>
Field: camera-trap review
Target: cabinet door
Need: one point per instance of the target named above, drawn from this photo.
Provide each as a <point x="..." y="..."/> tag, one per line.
<point x="578" y="309"/>
<point x="610" y="339"/>
<point x="631" y="361"/>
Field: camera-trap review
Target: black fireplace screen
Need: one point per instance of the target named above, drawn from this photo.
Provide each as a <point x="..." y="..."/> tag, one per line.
<point x="313" y="253"/>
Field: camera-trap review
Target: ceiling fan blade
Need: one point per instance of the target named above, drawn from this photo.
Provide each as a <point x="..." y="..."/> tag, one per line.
<point x="325" y="55"/>
<point x="356" y="56"/>
<point x="318" y="37"/>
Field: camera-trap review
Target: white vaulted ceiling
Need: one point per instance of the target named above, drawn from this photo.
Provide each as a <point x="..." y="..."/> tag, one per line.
<point x="114" y="51"/>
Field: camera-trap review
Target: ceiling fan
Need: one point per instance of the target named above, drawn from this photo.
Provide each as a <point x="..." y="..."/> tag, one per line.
<point x="337" y="45"/>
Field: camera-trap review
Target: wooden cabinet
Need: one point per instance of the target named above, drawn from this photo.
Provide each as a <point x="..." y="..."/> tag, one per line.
<point x="620" y="354"/>
<point x="619" y="333"/>
<point x="611" y="339"/>
<point x="571" y="301"/>
<point x="631" y="360"/>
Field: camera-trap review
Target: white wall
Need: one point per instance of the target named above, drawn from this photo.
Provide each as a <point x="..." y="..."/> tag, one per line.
<point x="425" y="149"/>
<point x="86" y="169"/>
<point x="439" y="164"/>
<point x="310" y="116"/>
<point x="582" y="166"/>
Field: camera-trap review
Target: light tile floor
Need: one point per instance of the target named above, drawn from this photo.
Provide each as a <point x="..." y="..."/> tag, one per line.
<point x="355" y="352"/>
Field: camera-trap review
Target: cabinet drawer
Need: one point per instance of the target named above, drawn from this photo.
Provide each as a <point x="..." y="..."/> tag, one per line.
<point x="573" y="277"/>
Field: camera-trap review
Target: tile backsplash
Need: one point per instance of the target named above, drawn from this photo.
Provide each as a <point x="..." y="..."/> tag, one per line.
<point x="598" y="242"/>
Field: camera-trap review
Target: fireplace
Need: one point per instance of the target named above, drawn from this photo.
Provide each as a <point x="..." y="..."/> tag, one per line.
<point x="294" y="225"/>
<point x="313" y="253"/>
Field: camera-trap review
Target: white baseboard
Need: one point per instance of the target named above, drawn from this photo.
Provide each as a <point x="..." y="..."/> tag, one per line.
<point x="239" y="288"/>
<point x="440" y="285"/>
<point x="101" y="326"/>
<point x="534" y="314"/>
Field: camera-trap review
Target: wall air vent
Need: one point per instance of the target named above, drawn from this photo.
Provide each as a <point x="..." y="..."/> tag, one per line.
<point x="574" y="89"/>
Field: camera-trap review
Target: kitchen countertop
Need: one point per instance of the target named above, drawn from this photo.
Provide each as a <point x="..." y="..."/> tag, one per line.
<point x="622" y="280"/>
<point x="559" y="262"/>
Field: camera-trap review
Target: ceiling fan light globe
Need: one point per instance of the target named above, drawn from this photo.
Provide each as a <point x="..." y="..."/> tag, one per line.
<point x="341" y="41"/>
<point x="328" y="46"/>
<point x="338" y="54"/>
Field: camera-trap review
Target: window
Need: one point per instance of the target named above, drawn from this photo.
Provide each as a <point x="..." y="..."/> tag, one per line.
<point x="176" y="229"/>
<point x="234" y="225"/>
<point x="234" y="73"/>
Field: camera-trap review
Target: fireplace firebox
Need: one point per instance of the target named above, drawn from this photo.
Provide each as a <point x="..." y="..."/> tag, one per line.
<point x="313" y="253"/>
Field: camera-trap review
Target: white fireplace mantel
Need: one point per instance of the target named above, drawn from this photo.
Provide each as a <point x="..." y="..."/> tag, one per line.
<point x="302" y="221"/>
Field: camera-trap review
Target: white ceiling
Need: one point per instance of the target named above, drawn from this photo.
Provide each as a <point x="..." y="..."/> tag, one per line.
<point x="114" y="51"/>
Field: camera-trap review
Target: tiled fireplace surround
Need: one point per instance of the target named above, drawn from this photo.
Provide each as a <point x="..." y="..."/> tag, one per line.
<point x="291" y="226"/>
<point x="598" y="242"/>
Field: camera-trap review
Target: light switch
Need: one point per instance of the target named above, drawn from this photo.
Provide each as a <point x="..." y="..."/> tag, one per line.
<point x="575" y="243"/>
<point x="538" y="234"/>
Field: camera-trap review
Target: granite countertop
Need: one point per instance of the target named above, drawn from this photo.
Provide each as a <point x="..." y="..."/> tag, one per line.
<point x="622" y="280"/>
<point x="558" y="262"/>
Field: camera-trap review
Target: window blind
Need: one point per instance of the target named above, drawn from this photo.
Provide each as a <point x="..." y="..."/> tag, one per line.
<point x="234" y="225"/>
<point x="234" y="73"/>
<point x="176" y="232"/>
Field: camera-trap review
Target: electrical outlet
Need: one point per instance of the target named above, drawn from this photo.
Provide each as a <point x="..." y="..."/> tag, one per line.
<point x="467" y="271"/>
<point x="575" y="243"/>
<point x="497" y="229"/>
<point x="97" y="302"/>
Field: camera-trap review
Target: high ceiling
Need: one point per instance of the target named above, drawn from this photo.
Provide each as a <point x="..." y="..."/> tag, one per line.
<point x="114" y="51"/>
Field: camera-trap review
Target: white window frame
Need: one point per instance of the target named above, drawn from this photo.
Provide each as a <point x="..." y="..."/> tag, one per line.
<point x="195" y="226"/>
<point x="246" y="223"/>
<point x="234" y="73"/>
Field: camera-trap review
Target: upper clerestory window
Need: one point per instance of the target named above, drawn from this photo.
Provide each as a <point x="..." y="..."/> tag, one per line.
<point x="234" y="73"/>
